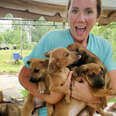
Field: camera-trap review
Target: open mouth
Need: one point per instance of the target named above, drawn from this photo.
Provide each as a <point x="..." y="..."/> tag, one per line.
<point x="80" y="29"/>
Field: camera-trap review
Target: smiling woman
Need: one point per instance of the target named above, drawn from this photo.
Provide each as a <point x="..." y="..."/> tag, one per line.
<point x="81" y="15"/>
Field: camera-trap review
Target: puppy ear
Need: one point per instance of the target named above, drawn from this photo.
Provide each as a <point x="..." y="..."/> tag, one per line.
<point x="31" y="60"/>
<point x="83" y="68"/>
<point x="52" y="67"/>
<point x="47" y="54"/>
<point x="104" y="70"/>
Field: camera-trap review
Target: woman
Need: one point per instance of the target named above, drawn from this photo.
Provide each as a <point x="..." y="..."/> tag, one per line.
<point x="81" y="15"/>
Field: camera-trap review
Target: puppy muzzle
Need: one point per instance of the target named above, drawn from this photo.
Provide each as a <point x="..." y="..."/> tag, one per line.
<point x="98" y="84"/>
<point x="33" y="80"/>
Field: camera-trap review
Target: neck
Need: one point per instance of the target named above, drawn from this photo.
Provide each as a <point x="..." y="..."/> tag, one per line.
<point x="84" y="43"/>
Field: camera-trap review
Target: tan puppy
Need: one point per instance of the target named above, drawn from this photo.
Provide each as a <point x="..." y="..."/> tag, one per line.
<point x="8" y="108"/>
<point x="59" y="59"/>
<point x="38" y="72"/>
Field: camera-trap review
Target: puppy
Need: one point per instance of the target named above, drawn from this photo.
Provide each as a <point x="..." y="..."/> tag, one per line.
<point x="59" y="59"/>
<point x="86" y="56"/>
<point x="97" y="78"/>
<point x="38" y="74"/>
<point x="8" y="108"/>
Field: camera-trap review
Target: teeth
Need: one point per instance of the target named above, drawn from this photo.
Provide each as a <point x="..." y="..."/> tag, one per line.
<point x="80" y="27"/>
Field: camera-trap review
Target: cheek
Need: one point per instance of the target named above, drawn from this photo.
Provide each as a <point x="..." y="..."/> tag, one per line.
<point x="71" y="20"/>
<point x="91" y="21"/>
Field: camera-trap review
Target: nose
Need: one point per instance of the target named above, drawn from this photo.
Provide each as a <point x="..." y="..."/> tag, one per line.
<point x="98" y="84"/>
<point x="81" y="17"/>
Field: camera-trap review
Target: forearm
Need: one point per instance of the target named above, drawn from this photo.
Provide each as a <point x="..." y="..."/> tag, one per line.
<point x="32" y="88"/>
<point x="112" y="75"/>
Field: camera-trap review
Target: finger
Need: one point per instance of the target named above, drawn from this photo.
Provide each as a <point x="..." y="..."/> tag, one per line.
<point x="69" y="76"/>
<point x="68" y="80"/>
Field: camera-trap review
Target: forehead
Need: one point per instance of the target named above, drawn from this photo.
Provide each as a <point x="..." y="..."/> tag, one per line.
<point x="84" y="3"/>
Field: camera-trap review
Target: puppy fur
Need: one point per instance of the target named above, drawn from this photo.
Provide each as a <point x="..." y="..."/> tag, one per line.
<point x="91" y="69"/>
<point x="59" y="59"/>
<point x="38" y="71"/>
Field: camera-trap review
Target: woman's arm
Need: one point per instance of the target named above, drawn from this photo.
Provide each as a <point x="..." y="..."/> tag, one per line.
<point x="112" y="75"/>
<point x="32" y="87"/>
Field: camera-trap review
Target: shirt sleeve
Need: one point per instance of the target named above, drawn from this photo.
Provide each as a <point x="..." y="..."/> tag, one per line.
<point x="109" y="59"/>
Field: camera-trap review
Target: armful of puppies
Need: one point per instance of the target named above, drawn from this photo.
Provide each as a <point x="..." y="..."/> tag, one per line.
<point x="80" y="91"/>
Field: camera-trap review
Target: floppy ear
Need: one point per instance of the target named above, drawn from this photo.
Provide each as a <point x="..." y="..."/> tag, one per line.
<point x="83" y="68"/>
<point x="47" y="54"/>
<point x="52" y="67"/>
<point x="104" y="70"/>
<point x="31" y="60"/>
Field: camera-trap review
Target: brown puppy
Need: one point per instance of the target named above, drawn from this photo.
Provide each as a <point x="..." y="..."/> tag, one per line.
<point x="100" y="85"/>
<point x="59" y="59"/>
<point x="88" y="57"/>
<point x="38" y="72"/>
<point x="8" y="108"/>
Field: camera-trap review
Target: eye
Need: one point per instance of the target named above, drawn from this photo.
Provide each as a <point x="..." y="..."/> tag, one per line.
<point x="67" y="54"/>
<point x="75" y="11"/>
<point x="92" y="75"/>
<point x="89" y="11"/>
<point x="36" y="70"/>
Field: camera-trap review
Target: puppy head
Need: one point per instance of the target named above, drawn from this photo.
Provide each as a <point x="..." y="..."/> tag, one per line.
<point x="80" y="50"/>
<point x="94" y="74"/>
<point x="38" y="68"/>
<point x="60" y="58"/>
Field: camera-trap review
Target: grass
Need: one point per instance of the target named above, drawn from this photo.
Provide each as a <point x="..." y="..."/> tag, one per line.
<point x="7" y="63"/>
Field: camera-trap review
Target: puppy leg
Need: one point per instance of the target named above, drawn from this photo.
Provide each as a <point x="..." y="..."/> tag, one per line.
<point x="100" y="110"/>
<point x="41" y="87"/>
<point x="50" y="109"/>
<point x="103" y="113"/>
<point x="104" y="92"/>
<point x="28" y="106"/>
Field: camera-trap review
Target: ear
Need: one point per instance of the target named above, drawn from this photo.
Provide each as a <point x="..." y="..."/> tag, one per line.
<point x="31" y="60"/>
<point x="104" y="70"/>
<point x="47" y="54"/>
<point x="83" y="68"/>
<point x="52" y="67"/>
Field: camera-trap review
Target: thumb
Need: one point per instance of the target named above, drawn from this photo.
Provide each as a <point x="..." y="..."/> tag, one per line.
<point x="68" y="80"/>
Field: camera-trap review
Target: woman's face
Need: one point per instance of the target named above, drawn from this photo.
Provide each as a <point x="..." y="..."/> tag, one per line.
<point x="82" y="15"/>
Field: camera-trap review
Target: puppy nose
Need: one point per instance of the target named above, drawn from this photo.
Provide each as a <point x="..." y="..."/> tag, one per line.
<point x="98" y="84"/>
<point x="32" y="80"/>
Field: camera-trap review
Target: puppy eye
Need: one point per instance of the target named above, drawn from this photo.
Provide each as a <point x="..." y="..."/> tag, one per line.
<point x="36" y="70"/>
<point x="67" y="54"/>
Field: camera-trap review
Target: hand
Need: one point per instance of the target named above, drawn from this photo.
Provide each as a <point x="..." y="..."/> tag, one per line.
<point x="81" y="91"/>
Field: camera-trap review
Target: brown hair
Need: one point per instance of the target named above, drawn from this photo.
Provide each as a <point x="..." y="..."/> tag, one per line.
<point x="99" y="7"/>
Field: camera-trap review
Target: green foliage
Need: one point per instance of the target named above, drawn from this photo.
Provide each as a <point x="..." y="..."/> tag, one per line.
<point x="24" y="93"/>
<point x="107" y="32"/>
<point x="7" y="63"/>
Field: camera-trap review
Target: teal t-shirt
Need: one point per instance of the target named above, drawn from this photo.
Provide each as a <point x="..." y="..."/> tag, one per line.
<point x="62" y="38"/>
